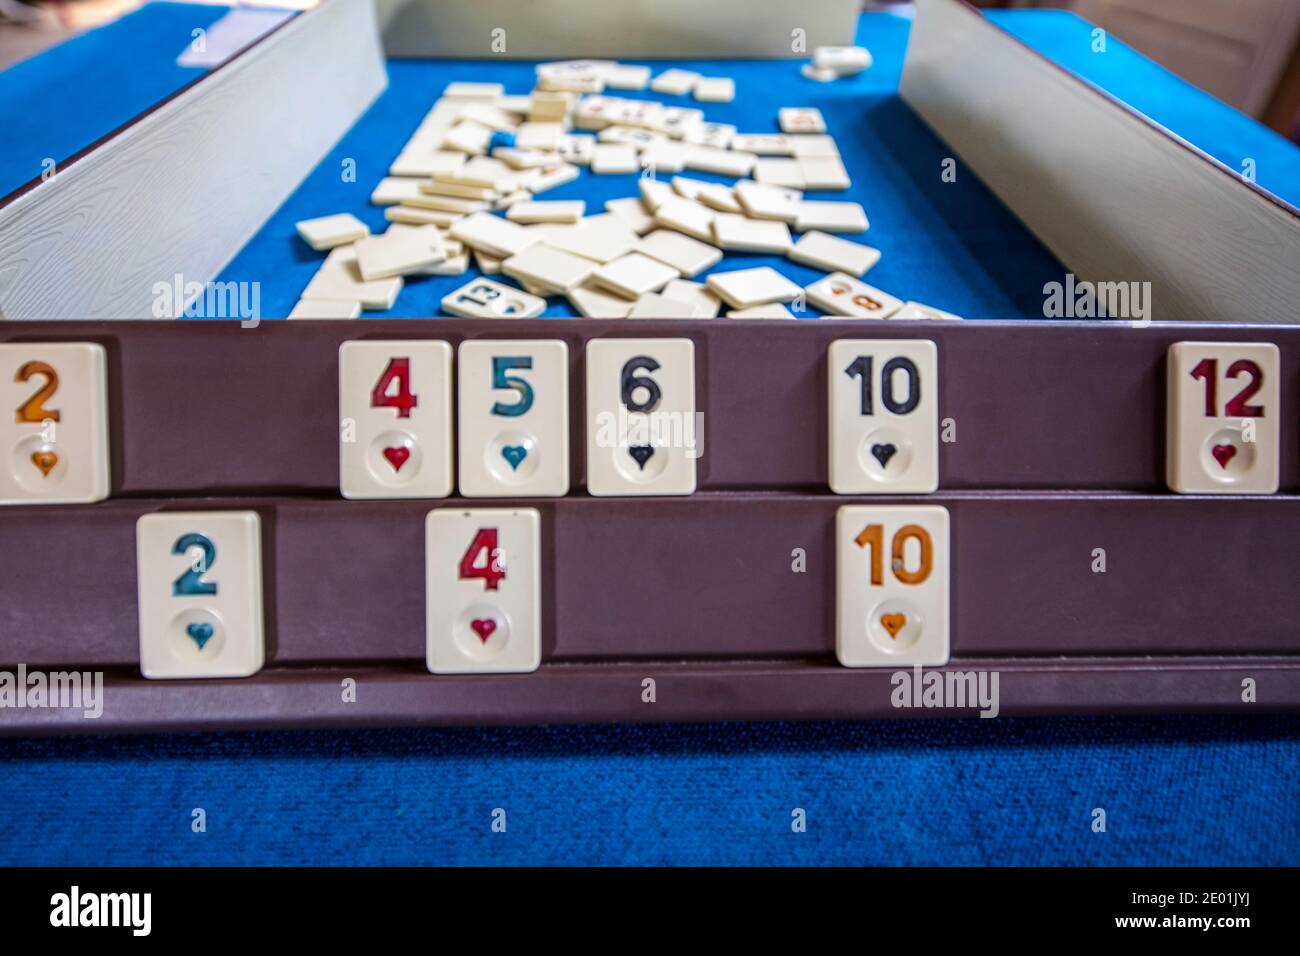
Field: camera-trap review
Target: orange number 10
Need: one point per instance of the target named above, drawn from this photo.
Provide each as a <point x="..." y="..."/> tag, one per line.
<point x="873" y="537"/>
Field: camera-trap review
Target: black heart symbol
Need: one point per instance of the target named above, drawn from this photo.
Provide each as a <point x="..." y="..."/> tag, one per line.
<point x="882" y="453"/>
<point x="641" y="454"/>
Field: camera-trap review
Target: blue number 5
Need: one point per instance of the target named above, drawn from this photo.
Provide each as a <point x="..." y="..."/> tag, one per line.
<point x="191" y="582"/>
<point x="500" y="379"/>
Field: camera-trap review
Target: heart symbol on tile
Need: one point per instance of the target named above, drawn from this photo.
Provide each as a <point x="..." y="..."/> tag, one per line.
<point x="45" y="461"/>
<point x="200" y="633"/>
<point x="1224" y="454"/>
<point x="397" y="456"/>
<point x="893" y="623"/>
<point x="484" y="627"/>
<point x="882" y="453"/>
<point x="515" y="455"/>
<point x="641" y="454"/>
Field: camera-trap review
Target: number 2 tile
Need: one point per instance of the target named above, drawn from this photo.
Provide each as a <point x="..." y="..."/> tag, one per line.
<point x="883" y="416"/>
<point x="891" y="588"/>
<point x="200" y="594"/>
<point x="513" y="410"/>
<point x="483" y="590"/>
<point x="53" y="423"/>
<point x="395" y="419"/>
<point x="1223" y="428"/>
<point x="641" y="423"/>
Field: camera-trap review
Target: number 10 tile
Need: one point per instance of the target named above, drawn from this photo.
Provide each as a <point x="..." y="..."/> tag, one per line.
<point x="891" y="588"/>
<point x="883" y="416"/>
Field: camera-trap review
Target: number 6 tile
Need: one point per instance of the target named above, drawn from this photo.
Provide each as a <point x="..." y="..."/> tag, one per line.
<point x="641" y="423"/>
<point x="53" y="423"/>
<point x="483" y="590"/>
<point x="395" y="419"/>
<point x="891" y="587"/>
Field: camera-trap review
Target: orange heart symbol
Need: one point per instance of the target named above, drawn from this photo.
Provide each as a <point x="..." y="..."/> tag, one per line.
<point x="893" y="623"/>
<point x="45" y="461"/>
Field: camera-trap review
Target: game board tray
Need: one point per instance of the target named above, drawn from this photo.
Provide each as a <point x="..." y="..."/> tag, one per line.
<point x="311" y="698"/>
<point x="712" y="576"/>
<point x="212" y="408"/>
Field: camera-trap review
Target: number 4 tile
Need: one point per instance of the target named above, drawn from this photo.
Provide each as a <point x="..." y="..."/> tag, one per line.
<point x="1223" y="428"/>
<point x="483" y="590"/>
<point x="53" y="423"/>
<point x="891" y="589"/>
<point x="395" y="419"/>
<point x="883" y="416"/>
<point x="200" y="594"/>
<point x="641" y="423"/>
<point x="514" y="418"/>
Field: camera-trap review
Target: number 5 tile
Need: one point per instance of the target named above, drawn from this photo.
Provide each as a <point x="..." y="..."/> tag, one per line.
<point x="395" y="416"/>
<point x="483" y="590"/>
<point x="513" y="409"/>
<point x="891" y="587"/>
<point x="53" y="423"/>
<point x="883" y="416"/>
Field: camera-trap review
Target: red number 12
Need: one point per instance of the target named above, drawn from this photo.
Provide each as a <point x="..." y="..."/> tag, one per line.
<point x="1207" y="370"/>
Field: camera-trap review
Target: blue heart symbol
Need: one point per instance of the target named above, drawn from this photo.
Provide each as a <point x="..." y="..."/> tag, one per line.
<point x="515" y="454"/>
<point x="200" y="633"/>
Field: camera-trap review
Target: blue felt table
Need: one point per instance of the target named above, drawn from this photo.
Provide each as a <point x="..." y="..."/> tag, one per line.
<point x="1177" y="790"/>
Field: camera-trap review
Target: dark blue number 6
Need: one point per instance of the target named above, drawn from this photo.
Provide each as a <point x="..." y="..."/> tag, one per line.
<point x="500" y="379"/>
<point x="191" y="582"/>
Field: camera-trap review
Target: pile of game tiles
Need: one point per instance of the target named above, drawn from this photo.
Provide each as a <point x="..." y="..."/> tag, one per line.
<point x="466" y="184"/>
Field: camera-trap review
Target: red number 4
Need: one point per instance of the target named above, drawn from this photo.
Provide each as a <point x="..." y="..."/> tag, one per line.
<point x="397" y="372"/>
<point x="493" y="568"/>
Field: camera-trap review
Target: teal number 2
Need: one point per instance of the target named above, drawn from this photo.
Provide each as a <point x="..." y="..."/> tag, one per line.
<point x="191" y="582"/>
<point x="501" y="379"/>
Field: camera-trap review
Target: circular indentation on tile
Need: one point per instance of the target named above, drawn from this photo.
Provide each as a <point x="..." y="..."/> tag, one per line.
<point x="394" y="458"/>
<point x="895" y="626"/>
<point x="481" y="632"/>
<point x="196" y="635"/>
<point x="1226" y="457"/>
<point x="512" y="457"/>
<point x="885" y="454"/>
<point x="38" y="465"/>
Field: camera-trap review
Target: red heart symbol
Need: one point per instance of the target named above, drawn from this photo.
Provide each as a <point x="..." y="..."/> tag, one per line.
<point x="397" y="456"/>
<point x="483" y="627"/>
<point x="1223" y="454"/>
